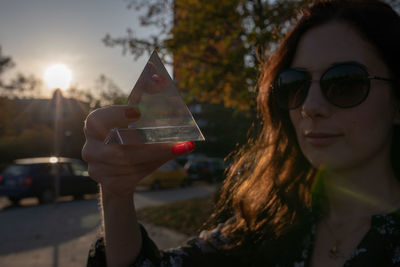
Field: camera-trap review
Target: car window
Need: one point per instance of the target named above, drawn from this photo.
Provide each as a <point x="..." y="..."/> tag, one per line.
<point x="79" y="169"/>
<point x="202" y="164"/>
<point x="64" y="169"/>
<point x="45" y="168"/>
<point x="170" y="165"/>
<point x="16" y="170"/>
<point x="166" y="166"/>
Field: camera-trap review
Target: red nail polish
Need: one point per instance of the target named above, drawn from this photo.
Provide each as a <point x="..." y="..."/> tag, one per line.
<point x="132" y="113"/>
<point x="190" y="146"/>
<point x="183" y="148"/>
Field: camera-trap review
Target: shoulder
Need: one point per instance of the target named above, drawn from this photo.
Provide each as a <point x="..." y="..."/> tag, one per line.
<point x="387" y="225"/>
<point x="206" y="249"/>
<point x="387" y="228"/>
<point x="214" y="239"/>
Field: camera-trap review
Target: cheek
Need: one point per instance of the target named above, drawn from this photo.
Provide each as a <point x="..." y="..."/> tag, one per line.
<point x="295" y="119"/>
<point x="372" y="130"/>
<point x="373" y="122"/>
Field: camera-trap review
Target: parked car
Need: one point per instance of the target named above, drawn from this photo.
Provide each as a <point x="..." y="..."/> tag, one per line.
<point x="171" y="174"/>
<point x="36" y="177"/>
<point x="182" y="160"/>
<point x="208" y="169"/>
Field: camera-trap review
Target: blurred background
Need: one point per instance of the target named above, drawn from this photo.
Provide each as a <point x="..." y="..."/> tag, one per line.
<point x="94" y="51"/>
<point x="59" y="60"/>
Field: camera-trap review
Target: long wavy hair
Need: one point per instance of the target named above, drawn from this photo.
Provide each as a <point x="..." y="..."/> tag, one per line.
<point x="269" y="188"/>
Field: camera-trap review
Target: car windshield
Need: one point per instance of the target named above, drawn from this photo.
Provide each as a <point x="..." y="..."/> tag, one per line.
<point x="171" y="165"/>
<point x="16" y="170"/>
<point x="79" y="169"/>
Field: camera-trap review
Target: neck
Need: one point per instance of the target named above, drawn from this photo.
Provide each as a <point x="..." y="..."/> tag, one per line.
<point x="361" y="192"/>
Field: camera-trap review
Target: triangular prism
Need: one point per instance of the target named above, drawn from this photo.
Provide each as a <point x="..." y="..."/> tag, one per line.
<point x="164" y="116"/>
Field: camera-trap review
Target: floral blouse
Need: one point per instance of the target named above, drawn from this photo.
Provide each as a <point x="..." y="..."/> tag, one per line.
<point x="379" y="247"/>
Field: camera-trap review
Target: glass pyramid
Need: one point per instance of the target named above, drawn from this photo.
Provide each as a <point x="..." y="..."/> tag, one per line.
<point x="164" y="116"/>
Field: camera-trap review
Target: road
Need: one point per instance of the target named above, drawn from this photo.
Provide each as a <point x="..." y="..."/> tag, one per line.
<point x="60" y="234"/>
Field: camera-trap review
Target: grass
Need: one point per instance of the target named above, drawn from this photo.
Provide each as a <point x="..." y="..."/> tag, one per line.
<point x="183" y="216"/>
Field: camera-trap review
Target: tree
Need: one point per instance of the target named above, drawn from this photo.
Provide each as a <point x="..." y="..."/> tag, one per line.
<point x="23" y="86"/>
<point x="216" y="45"/>
<point x="20" y="85"/>
<point x="104" y="93"/>
<point x="224" y="129"/>
<point x="108" y="92"/>
<point x="5" y="62"/>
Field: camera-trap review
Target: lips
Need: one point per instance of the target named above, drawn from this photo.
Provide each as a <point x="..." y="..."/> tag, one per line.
<point x="321" y="138"/>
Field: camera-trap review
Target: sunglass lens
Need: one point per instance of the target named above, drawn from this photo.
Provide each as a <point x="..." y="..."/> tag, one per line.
<point x="290" y="88"/>
<point x="345" y="85"/>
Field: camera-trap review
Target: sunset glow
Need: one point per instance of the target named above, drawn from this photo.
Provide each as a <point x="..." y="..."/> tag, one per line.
<point x="58" y="76"/>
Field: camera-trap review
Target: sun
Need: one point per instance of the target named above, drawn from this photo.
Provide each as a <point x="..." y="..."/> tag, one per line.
<point x="58" y="76"/>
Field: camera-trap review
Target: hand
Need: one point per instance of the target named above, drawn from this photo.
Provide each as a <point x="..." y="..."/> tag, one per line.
<point x="119" y="168"/>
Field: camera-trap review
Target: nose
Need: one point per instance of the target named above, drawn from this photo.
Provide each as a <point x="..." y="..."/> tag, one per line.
<point x="315" y="104"/>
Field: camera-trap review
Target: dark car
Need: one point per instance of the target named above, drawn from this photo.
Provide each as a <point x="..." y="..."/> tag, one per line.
<point x="37" y="177"/>
<point x="208" y="169"/>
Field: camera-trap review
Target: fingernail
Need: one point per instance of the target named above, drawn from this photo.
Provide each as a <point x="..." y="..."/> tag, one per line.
<point x="157" y="78"/>
<point x="183" y="148"/>
<point x="190" y="145"/>
<point x="132" y="113"/>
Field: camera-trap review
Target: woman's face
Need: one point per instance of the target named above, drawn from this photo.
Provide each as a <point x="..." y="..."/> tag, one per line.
<point x="343" y="138"/>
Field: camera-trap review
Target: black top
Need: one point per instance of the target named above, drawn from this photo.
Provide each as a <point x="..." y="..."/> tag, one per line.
<point x="379" y="247"/>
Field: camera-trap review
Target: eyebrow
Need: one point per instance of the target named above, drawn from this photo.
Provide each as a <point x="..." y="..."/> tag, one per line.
<point x="333" y="65"/>
<point x="299" y="68"/>
<point x="347" y="62"/>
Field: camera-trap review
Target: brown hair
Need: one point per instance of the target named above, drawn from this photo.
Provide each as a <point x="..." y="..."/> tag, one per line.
<point x="269" y="186"/>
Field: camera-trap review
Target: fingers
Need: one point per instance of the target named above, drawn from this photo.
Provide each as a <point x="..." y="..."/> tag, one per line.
<point x="120" y="168"/>
<point x="101" y="121"/>
<point x="120" y="155"/>
<point x="101" y="172"/>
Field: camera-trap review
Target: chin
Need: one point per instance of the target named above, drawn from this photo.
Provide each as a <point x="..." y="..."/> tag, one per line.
<point x="323" y="162"/>
<point x="329" y="158"/>
<point x="333" y="165"/>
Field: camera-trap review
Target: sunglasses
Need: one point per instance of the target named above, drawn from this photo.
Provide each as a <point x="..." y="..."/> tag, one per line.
<point x="344" y="85"/>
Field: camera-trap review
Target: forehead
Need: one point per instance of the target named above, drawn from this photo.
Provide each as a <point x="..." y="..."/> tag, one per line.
<point x="336" y="42"/>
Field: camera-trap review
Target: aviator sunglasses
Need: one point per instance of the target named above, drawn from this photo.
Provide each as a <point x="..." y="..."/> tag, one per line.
<point x="344" y="85"/>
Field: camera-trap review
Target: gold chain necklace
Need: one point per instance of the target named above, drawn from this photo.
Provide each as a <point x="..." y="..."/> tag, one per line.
<point x="335" y="252"/>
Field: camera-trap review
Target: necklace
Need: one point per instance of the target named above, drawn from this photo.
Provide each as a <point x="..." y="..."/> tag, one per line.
<point x="335" y="251"/>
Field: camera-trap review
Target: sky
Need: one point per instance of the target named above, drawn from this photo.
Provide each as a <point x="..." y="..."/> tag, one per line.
<point x="40" y="33"/>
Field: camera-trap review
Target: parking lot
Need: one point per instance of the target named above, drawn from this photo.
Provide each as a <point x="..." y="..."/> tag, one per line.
<point x="60" y="234"/>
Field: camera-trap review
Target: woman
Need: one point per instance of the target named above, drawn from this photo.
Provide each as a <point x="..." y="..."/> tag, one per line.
<point x="324" y="187"/>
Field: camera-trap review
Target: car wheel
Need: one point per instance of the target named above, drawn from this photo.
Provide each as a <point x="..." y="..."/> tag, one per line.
<point x="156" y="185"/>
<point x="14" y="200"/>
<point x="47" y="196"/>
